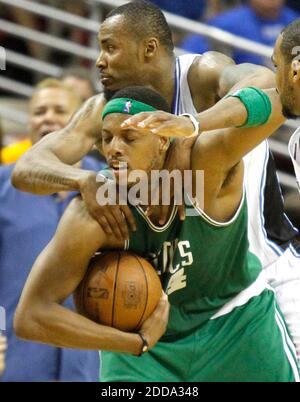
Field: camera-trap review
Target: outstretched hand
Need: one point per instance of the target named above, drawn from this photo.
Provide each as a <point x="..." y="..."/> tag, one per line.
<point x="161" y="123"/>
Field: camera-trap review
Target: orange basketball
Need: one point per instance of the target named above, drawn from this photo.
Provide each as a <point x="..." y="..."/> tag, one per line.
<point x="119" y="289"/>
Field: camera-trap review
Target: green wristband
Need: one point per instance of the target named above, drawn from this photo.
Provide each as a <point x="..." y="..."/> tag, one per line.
<point x="257" y="103"/>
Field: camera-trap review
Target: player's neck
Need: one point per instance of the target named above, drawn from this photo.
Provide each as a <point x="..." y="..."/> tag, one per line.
<point x="163" y="79"/>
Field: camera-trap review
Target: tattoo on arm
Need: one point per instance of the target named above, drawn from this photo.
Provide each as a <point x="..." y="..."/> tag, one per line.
<point x="82" y="114"/>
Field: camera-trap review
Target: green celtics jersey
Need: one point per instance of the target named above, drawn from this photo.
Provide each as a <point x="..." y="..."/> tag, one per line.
<point x="202" y="264"/>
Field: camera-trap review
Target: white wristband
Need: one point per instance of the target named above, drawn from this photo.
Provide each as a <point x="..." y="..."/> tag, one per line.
<point x="195" y="123"/>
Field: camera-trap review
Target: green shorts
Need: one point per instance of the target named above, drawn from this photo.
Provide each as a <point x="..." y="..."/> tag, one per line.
<point x="249" y="344"/>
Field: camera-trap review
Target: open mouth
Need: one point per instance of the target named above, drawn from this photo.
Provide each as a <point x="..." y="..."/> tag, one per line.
<point x="118" y="166"/>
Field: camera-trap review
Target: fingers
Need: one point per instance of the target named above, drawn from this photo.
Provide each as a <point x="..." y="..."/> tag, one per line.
<point x="129" y="217"/>
<point x="113" y="221"/>
<point x="121" y="223"/>
<point x="164" y="214"/>
<point x="163" y="301"/>
<point x="133" y="121"/>
<point x="103" y="222"/>
<point x="152" y="121"/>
<point x="166" y="129"/>
<point x="181" y="212"/>
<point x="163" y="307"/>
<point x="147" y="120"/>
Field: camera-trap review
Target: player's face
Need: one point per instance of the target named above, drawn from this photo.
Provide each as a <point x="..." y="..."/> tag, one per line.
<point x="50" y="110"/>
<point x="121" y="57"/>
<point x="287" y="81"/>
<point x="130" y="148"/>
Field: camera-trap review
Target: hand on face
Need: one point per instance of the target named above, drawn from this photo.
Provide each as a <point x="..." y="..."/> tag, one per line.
<point x="161" y="123"/>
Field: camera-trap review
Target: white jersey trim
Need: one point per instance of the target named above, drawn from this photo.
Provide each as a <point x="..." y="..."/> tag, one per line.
<point x="294" y="150"/>
<point x="214" y="222"/>
<point x="288" y="345"/>
<point x="255" y="289"/>
<point x="269" y="243"/>
<point x="152" y="225"/>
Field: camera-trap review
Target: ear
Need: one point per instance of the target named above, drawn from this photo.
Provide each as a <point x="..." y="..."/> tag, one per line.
<point x="151" y="47"/>
<point x="164" y="144"/>
<point x="296" y="70"/>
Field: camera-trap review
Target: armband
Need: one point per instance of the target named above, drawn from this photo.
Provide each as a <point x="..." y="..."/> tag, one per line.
<point x="257" y="104"/>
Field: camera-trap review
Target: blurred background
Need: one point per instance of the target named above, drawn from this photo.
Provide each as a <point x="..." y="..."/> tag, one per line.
<point x="58" y="38"/>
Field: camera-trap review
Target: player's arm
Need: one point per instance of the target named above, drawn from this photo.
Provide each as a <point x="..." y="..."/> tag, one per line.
<point x="220" y="152"/>
<point x="56" y="274"/>
<point x="211" y="75"/>
<point x="47" y="166"/>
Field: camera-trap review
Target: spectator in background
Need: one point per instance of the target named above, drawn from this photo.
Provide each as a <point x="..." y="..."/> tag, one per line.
<point x="11" y="153"/>
<point x="1" y="142"/>
<point x="27" y="224"/>
<point x="193" y="9"/>
<point x="257" y="20"/>
<point x="80" y="80"/>
<point x="3" y="346"/>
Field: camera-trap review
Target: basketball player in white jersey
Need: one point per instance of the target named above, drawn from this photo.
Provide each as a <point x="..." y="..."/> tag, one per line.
<point x="137" y="49"/>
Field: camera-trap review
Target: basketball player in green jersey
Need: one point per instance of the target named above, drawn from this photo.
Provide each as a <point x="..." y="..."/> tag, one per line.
<point x="223" y="323"/>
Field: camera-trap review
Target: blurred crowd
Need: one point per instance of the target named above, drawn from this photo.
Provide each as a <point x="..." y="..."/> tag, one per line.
<point x="264" y="20"/>
<point x="28" y="221"/>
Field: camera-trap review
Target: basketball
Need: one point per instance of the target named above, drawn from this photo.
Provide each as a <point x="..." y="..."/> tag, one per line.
<point x="119" y="289"/>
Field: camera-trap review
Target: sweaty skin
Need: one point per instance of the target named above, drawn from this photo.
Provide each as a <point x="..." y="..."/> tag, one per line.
<point x="125" y="60"/>
<point x="62" y="264"/>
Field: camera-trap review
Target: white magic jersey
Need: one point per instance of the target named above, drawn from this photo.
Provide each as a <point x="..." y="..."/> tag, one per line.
<point x="294" y="149"/>
<point x="269" y="230"/>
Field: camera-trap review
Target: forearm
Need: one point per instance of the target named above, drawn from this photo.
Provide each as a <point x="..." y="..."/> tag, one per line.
<point x="244" y="75"/>
<point x="45" y="174"/>
<point x="47" y="167"/>
<point x="56" y="325"/>
<point x="249" y="107"/>
<point x="229" y="112"/>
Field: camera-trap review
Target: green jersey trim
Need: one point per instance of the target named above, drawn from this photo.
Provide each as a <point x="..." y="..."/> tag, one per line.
<point x="210" y="220"/>
<point x="151" y="225"/>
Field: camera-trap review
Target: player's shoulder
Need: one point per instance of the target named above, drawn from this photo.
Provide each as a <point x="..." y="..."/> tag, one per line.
<point x="83" y="228"/>
<point x="207" y="68"/>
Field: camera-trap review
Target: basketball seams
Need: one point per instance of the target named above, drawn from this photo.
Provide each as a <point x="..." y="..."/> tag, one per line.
<point x="120" y="287"/>
<point x="146" y="299"/>
<point x="115" y="290"/>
